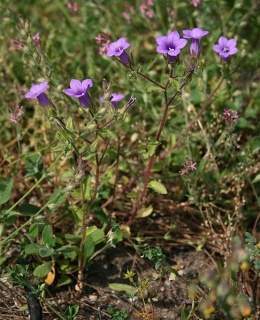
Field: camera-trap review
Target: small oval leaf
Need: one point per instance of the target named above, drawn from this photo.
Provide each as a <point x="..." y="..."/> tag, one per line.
<point x="42" y="270"/>
<point x="144" y="212"/>
<point x="157" y="186"/>
<point x="130" y="290"/>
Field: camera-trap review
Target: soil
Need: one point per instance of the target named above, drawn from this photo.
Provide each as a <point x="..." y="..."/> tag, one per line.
<point x="165" y="297"/>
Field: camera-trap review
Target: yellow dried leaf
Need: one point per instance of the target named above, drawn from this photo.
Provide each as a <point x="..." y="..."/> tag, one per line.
<point x="50" y="277"/>
<point x="246" y="311"/>
<point x="244" y="266"/>
<point x="144" y="212"/>
<point x="125" y="230"/>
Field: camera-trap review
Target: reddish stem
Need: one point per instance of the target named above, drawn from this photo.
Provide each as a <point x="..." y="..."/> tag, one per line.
<point x="148" y="170"/>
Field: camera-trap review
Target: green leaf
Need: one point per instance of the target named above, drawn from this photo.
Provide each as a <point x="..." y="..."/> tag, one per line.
<point x="57" y="199"/>
<point x="33" y="165"/>
<point x="130" y="290"/>
<point x="1" y="229"/>
<point x="87" y="188"/>
<point x="6" y="186"/>
<point x="69" y="124"/>
<point x="63" y="281"/>
<point x="184" y="314"/>
<point x="42" y="270"/>
<point x="116" y="235"/>
<point x="70" y="252"/>
<point x="34" y="230"/>
<point x="256" y="179"/>
<point x="47" y="236"/>
<point x="45" y="252"/>
<point x="36" y="249"/>
<point x="89" y="248"/>
<point x="27" y="209"/>
<point x="195" y="96"/>
<point x="151" y="148"/>
<point x="32" y="248"/>
<point x="97" y="235"/>
<point x="157" y="187"/>
<point x="144" y="212"/>
<point x="97" y="210"/>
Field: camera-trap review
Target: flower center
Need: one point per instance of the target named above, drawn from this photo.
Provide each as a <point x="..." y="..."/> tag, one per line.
<point x="171" y="49"/>
<point x="118" y="49"/>
<point x="225" y="49"/>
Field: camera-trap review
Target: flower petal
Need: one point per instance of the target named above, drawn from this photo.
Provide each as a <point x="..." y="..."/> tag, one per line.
<point x="222" y="41"/>
<point x="232" y="43"/>
<point x="181" y="43"/>
<point x="86" y="84"/>
<point x="36" y="90"/>
<point x="162" y="44"/>
<point x="173" y="36"/>
<point x="160" y="40"/>
<point x="122" y="42"/>
<point x="233" y="51"/>
<point x="194" y="47"/>
<point x="76" y="85"/>
<point x="43" y="99"/>
<point x="117" y="47"/>
<point x="84" y="100"/>
<point x="69" y="92"/>
<point x="216" y="48"/>
<point x="198" y="33"/>
<point x="187" y="34"/>
<point x="161" y="50"/>
<point x="116" y="97"/>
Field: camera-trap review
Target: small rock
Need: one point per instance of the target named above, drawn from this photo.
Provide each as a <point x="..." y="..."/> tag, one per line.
<point x="92" y="298"/>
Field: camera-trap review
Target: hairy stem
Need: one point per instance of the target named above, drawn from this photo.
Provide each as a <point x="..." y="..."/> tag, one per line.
<point x="81" y="261"/>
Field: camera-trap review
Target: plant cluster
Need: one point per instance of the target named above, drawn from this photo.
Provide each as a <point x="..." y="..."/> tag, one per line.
<point x="124" y="130"/>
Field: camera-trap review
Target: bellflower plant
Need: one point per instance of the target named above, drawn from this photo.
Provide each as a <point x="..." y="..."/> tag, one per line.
<point x="170" y="45"/>
<point x="195" y="35"/>
<point x="118" y="49"/>
<point x="37" y="91"/>
<point x="225" y="48"/>
<point x="79" y="90"/>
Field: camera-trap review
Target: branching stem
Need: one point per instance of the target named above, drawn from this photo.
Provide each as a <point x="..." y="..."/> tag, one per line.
<point x="150" y="163"/>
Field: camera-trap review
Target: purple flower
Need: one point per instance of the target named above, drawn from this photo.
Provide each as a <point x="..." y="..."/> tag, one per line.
<point x="118" y="49"/>
<point x="103" y="40"/>
<point x="230" y="116"/>
<point x="195" y="3"/>
<point x="225" y="48"/>
<point x="128" y="12"/>
<point x="37" y="91"/>
<point x="79" y="90"/>
<point x="17" y="114"/>
<point x="170" y="45"/>
<point x="115" y="98"/>
<point x="146" y="8"/>
<point x="195" y="35"/>
<point x="188" y="167"/>
<point x="73" y="6"/>
<point x="16" y="45"/>
<point x="37" y="39"/>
